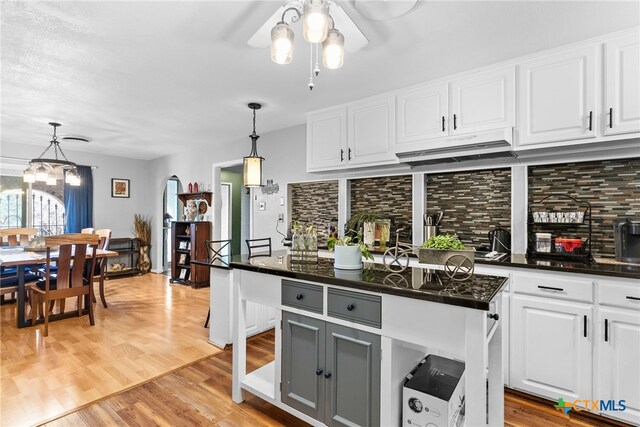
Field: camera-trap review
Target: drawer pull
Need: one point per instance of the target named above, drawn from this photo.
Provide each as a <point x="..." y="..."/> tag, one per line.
<point x="606" y="330"/>
<point x="350" y="307"/>
<point x="585" y="326"/>
<point x="318" y="372"/>
<point x="633" y="298"/>
<point x="590" y="120"/>
<point x="494" y="316"/>
<point x="455" y="122"/>
<point x="299" y="297"/>
<point x="610" y="118"/>
<point x="550" y="288"/>
<point x="442" y="123"/>
<point x="327" y="375"/>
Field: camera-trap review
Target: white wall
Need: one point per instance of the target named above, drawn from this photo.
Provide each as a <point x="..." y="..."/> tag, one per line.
<point x="115" y="214"/>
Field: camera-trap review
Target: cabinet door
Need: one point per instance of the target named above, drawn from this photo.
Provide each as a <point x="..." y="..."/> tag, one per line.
<point x="618" y="370"/>
<point x="327" y="140"/>
<point x="550" y="355"/>
<point x="557" y="97"/>
<point x="622" y="86"/>
<point x="303" y="382"/>
<point x="253" y="317"/>
<point x="483" y="101"/>
<point x="372" y="132"/>
<point x="422" y="114"/>
<point x="353" y="389"/>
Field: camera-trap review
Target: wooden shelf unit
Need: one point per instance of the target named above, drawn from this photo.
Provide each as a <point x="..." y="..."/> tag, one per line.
<point x="195" y="196"/>
<point x="127" y="248"/>
<point x="193" y="245"/>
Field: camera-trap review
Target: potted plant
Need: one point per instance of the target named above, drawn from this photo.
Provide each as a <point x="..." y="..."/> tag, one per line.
<point x="142" y="231"/>
<point x="365" y="221"/>
<point x="438" y="249"/>
<point x="349" y="252"/>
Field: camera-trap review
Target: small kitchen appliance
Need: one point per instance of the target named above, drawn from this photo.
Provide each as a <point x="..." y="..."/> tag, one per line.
<point x="626" y="233"/>
<point x="500" y="240"/>
<point x="433" y="394"/>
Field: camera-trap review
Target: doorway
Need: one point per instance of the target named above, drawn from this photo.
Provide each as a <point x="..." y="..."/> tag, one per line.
<point x="172" y="211"/>
<point x="234" y="221"/>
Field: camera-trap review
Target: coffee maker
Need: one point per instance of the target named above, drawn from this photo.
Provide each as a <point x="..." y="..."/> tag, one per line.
<point x="626" y="233"/>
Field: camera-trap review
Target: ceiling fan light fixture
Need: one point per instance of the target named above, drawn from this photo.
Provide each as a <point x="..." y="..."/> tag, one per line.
<point x="282" y="44"/>
<point x="333" y="50"/>
<point x="315" y="24"/>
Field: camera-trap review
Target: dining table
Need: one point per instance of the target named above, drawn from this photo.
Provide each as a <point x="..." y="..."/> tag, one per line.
<point x="22" y="257"/>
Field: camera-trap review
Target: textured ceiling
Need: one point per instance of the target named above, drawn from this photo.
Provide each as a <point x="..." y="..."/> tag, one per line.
<point x="147" y="79"/>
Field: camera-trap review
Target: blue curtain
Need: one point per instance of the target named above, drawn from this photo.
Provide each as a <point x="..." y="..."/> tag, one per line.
<point x="78" y="202"/>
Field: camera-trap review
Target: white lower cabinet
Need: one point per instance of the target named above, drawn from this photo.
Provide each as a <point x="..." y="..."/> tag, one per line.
<point x="259" y="318"/>
<point x="618" y="367"/>
<point x="551" y="347"/>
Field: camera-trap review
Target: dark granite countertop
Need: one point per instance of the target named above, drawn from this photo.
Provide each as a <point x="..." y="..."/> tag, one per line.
<point x="419" y="283"/>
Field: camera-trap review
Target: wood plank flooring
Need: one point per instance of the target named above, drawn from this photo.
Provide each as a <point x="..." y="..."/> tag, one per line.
<point x="149" y="329"/>
<point x="200" y="394"/>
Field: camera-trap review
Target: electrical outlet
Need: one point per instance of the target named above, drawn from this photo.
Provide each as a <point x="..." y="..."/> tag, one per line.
<point x="281" y="217"/>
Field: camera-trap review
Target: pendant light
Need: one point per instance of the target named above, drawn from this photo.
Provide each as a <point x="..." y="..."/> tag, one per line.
<point x="253" y="162"/>
<point x="333" y="50"/>
<point x="315" y="24"/>
<point x="47" y="170"/>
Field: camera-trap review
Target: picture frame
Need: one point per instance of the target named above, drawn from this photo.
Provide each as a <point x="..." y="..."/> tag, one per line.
<point x="183" y="274"/>
<point x="120" y="188"/>
<point x="182" y="244"/>
<point x="183" y="258"/>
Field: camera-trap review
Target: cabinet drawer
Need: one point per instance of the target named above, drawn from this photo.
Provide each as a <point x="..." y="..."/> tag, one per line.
<point x="549" y="285"/>
<point x="627" y="296"/>
<point x="356" y="307"/>
<point x="302" y="295"/>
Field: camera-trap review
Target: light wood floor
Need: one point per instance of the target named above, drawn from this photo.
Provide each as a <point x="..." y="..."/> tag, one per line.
<point x="200" y="394"/>
<point x="149" y="329"/>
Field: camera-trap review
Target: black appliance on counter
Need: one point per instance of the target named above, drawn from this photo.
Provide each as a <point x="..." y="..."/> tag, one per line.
<point x="500" y="240"/>
<point x="626" y="233"/>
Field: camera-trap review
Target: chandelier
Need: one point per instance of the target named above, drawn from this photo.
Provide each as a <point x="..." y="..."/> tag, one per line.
<point x="252" y="170"/>
<point x="318" y="27"/>
<point x="48" y="170"/>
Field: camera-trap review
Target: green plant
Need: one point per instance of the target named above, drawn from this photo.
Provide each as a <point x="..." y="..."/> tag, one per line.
<point x="142" y="229"/>
<point x="444" y="241"/>
<point x="356" y="222"/>
<point x="348" y="240"/>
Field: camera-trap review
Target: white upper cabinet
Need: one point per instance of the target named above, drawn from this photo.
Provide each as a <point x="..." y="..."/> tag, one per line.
<point x="621" y="111"/>
<point x="327" y="139"/>
<point x="422" y="113"/>
<point x="557" y="97"/>
<point x="483" y="101"/>
<point x="372" y="131"/>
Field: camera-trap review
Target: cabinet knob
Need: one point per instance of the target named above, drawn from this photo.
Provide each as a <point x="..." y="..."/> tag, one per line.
<point x="299" y="297"/>
<point x="327" y="375"/>
<point x="350" y="307"/>
<point x="318" y="371"/>
<point x="494" y="316"/>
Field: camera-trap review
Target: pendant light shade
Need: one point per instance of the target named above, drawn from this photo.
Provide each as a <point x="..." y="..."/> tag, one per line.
<point x="315" y="23"/>
<point x="41" y="174"/>
<point x="252" y="172"/>
<point x="333" y="50"/>
<point x="52" y="180"/>
<point x="29" y="176"/>
<point x="282" y="44"/>
<point x="48" y="170"/>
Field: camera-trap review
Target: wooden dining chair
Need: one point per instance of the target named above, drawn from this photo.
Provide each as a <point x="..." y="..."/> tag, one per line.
<point x="87" y="231"/>
<point x="101" y="264"/>
<point x="67" y="282"/>
<point x="259" y="247"/>
<point x="9" y="276"/>
<point x="16" y="236"/>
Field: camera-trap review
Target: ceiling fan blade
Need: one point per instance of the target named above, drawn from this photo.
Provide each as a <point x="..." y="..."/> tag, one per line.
<point x="262" y="37"/>
<point x="354" y="39"/>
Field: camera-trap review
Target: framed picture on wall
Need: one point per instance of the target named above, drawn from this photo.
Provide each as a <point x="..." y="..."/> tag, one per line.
<point x="120" y="188"/>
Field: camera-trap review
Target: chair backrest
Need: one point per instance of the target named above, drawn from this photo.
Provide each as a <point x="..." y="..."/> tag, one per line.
<point x="16" y="236"/>
<point x="217" y="250"/>
<point x="72" y="250"/>
<point x="86" y="231"/>
<point x="105" y="238"/>
<point x="259" y="247"/>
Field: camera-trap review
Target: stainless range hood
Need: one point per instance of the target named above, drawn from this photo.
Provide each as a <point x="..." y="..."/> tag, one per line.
<point x="485" y="145"/>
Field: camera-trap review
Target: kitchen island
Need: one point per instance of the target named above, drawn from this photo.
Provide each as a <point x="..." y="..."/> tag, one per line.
<point x="347" y="339"/>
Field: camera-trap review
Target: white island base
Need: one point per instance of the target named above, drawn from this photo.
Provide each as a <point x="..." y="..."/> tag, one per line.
<point x="410" y="329"/>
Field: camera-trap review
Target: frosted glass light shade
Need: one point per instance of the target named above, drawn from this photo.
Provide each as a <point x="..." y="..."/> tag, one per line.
<point x="41" y="174"/>
<point x="315" y="24"/>
<point x="52" y="180"/>
<point x="333" y="50"/>
<point x="282" y="44"/>
<point x="253" y="171"/>
<point x="29" y="176"/>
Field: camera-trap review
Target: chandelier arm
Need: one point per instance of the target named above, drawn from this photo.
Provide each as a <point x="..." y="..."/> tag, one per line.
<point x="294" y="18"/>
<point x="45" y="151"/>
<point x="333" y="24"/>
<point x="61" y="152"/>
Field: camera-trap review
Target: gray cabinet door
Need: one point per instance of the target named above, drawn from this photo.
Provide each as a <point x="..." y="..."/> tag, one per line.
<point x="303" y="382"/>
<point x="353" y="389"/>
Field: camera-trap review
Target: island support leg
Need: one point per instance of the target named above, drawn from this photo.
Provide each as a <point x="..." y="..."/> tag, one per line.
<point x="239" y="367"/>
<point x="496" y="378"/>
<point x="475" y="368"/>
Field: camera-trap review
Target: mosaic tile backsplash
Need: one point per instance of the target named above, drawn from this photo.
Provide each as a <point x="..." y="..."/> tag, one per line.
<point x="473" y="203"/>
<point x="390" y="195"/>
<point x="317" y="203"/>
<point x="611" y="186"/>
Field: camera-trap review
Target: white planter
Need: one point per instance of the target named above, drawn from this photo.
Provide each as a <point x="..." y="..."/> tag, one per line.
<point x="347" y="258"/>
